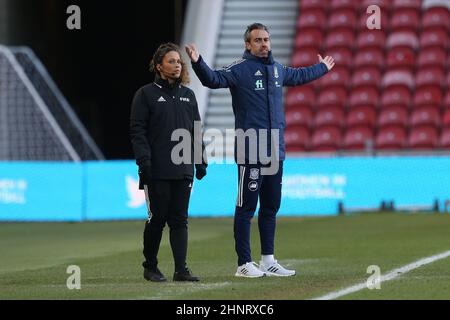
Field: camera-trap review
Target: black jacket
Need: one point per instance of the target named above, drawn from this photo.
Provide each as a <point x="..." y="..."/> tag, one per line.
<point x="158" y="109"/>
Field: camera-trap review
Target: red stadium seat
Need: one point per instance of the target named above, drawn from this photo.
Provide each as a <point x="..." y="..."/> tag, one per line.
<point x="342" y="56"/>
<point x="332" y="97"/>
<point x="429" y="77"/>
<point x="385" y="5"/>
<point x="432" y="57"/>
<point x="361" y="117"/>
<point x="423" y="138"/>
<point x="301" y="116"/>
<point x="447" y="100"/>
<point x="311" y="19"/>
<point x="436" y="18"/>
<point x="344" y="4"/>
<point x="390" y="138"/>
<point x="424" y="117"/>
<point x="402" y="39"/>
<point x="401" y="58"/>
<point x="301" y="96"/>
<point x="357" y="138"/>
<point x="337" y="77"/>
<point x="305" y="57"/>
<point x="364" y="97"/>
<point x="296" y="139"/>
<point x="434" y="38"/>
<point x="313" y="4"/>
<point x="444" y="141"/>
<point x="326" y="139"/>
<point x="371" y="39"/>
<point x="446" y="119"/>
<point x="428" y="98"/>
<point x="406" y="19"/>
<point x="396" y="96"/>
<point x="447" y="80"/>
<point x="330" y="116"/>
<point x="342" y="19"/>
<point x="339" y="39"/>
<point x="370" y="57"/>
<point x="366" y="77"/>
<point x="397" y="79"/>
<point x="311" y="38"/>
<point x="393" y="116"/>
<point x="407" y="4"/>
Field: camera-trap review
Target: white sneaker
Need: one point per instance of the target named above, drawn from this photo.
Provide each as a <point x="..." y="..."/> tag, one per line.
<point x="249" y="270"/>
<point x="275" y="269"/>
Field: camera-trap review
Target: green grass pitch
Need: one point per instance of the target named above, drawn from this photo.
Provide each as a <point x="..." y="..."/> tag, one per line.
<point x="329" y="254"/>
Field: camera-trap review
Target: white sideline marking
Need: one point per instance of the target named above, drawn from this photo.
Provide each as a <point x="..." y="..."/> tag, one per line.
<point x="389" y="276"/>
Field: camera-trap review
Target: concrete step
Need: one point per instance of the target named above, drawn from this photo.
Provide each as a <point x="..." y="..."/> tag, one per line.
<point x="252" y="5"/>
<point x="220" y="121"/>
<point x="243" y="23"/>
<point x="220" y="100"/>
<point x="236" y="33"/>
<point x="220" y="110"/>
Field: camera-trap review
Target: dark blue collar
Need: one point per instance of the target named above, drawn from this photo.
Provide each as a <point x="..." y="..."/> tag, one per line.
<point x="269" y="60"/>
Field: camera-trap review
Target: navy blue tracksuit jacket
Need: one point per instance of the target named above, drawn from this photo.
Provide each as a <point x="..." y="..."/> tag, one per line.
<point x="256" y="88"/>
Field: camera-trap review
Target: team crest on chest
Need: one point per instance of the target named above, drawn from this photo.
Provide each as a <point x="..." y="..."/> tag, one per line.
<point x="254" y="173"/>
<point x="275" y="72"/>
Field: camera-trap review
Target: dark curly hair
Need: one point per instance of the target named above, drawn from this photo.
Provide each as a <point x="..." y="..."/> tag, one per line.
<point x="159" y="56"/>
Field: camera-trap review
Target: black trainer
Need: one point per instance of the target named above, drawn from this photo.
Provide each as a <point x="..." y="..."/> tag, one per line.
<point x="154" y="275"/>
<point x="185" y="275"/>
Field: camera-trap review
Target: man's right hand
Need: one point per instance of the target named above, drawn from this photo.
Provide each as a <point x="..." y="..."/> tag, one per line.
<point x="145" y="171"/>
<point x="192" y="51"/>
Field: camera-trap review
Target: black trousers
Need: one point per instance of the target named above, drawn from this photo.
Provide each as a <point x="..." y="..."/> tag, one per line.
<point x="167" y="202"/>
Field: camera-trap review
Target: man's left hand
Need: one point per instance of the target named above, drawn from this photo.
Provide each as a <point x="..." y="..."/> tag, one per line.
<point x="329" y="61"/>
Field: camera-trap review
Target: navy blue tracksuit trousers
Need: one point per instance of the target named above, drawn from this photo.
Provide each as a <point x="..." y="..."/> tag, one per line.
<point x="253" y="185"/>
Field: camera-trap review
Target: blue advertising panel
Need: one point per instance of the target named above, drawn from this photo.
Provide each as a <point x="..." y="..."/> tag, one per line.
<point x="47" y="191"/>
<point x="108" y="190"/>
<point x="112" y="191"/>
<point x="314" y="186"/>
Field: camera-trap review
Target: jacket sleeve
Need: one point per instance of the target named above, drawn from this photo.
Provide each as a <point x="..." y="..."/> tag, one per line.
<point x="139" y="119"/>
<point x="213" y="79"/>
<point x="198" y="137"/>
<point x="298" y="76"/>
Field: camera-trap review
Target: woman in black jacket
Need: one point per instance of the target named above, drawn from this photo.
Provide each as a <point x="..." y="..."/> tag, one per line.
<point x="158" y="110"/>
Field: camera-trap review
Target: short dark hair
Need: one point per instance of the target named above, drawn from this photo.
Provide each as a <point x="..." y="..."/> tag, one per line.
<point x="254" y="26"/>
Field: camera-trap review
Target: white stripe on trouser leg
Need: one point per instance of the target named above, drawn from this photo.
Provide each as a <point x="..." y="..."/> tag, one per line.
<point x="240" y="187"/>
<point x="238" y="198"/>
<point x="147" y="200"/>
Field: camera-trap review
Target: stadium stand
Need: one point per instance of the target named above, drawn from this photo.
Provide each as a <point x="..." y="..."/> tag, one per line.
<point x="389" y="86"/>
